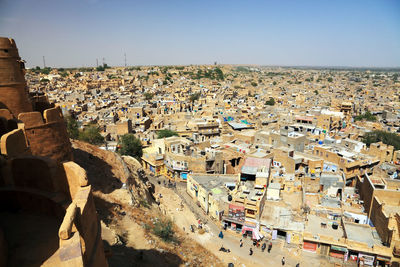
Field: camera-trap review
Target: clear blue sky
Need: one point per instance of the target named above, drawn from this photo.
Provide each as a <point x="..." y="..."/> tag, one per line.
<point x="312" y="33"/>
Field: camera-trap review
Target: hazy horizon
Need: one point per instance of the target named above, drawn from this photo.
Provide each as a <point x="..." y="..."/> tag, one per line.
<point x="360" y="34"/>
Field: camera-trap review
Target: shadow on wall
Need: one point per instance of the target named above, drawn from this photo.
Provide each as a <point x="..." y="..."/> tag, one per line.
<point x="98" y="171"/>
<point x="123" y="256"/>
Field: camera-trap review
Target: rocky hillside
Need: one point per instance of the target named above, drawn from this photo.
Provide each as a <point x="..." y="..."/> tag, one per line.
<point x="125" y="204"/>
<point x="107" y="172"/>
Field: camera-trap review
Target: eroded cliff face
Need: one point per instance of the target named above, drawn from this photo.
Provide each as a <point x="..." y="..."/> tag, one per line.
<point x="139" y="185"/>
<point x="113" y="175"/>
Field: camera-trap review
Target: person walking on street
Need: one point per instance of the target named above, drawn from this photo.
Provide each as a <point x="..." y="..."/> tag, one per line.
<point x="298" y="265"/>
<point x="241" y="243"/>
<point x="221" y="235"/>
<point x="251" y="251"/>
<point x="269" y="247"/>
<point x="263" y="247"/>
<point x="283" y="261"/>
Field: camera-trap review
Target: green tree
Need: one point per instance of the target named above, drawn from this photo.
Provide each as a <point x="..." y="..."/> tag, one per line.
<point x="219" y="74"/>
<point x="330" y="79"/>
<point x="131" y="146"/>
<point x="366" y="116"/>
<point x="91" y="134"/>
<point x="64" y="74"/>
<point x="163" y="228"/>
<point x="254" y="84"/>
<point x="270" y="102"/>
<point x="46" y="71"/>
<point x="148" y="95"/>
<point x="194" y="97"/>
<point x="44" y="80"/>
<point x="166" y="133"/>
<point x="274" y="83"/>
<point x="72" y="127"/>
<point x="102" y="67"/>
<point x="316" y="92"/>
<point x="387" y="138"/>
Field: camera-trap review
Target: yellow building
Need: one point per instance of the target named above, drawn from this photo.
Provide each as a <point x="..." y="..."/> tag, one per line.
<point x="212" y="191"/>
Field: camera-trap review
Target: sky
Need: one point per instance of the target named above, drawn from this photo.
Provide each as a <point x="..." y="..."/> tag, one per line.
<point x="74" y="33"/>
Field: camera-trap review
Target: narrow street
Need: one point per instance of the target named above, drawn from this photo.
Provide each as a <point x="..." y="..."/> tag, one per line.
<point x="238" y="255"/>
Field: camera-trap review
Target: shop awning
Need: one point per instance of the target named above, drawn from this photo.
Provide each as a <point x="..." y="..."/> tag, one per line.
<point x="342" y="249"/>
<point x="228" y="219"/>
<point x="382" y="258"/>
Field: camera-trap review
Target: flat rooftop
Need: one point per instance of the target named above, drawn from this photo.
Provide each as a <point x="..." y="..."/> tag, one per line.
<point x="315" y="227"/>
<point x="212" y="181"/>
<point x="362" y="233"/>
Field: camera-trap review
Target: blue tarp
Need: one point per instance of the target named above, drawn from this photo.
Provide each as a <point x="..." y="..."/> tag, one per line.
<point x="245" y="122"/>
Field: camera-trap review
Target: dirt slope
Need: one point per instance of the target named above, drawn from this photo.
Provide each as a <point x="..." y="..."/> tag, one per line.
<point x="126" y="207"/>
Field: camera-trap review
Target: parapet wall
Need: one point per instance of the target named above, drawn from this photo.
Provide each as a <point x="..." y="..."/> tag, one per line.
<point x="47" y="136"/>
<point x="44" y="186"/>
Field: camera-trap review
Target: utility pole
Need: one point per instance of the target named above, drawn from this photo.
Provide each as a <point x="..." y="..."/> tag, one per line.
<point x="44" y="63"/>
<point x="103" y="61"/>
<point x="97" y="62"/>
<point x="125" y="58"/>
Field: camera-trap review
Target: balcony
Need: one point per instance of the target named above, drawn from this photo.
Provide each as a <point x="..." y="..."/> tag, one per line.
<point x="208" y="125"/>
<point x="209" y="131"/>
<point x="176" y="167"/>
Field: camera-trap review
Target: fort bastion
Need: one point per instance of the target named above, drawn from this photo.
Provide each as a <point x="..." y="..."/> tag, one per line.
<point x="47" y="212"/>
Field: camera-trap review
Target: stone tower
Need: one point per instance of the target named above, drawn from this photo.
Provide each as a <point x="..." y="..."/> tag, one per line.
<point x="44" y="124"/>
<point x="13" y="94"/>
<point x="47" y="212"/>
